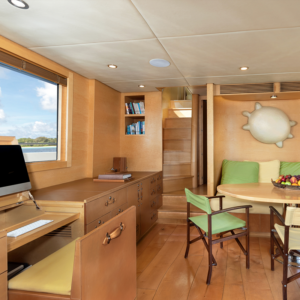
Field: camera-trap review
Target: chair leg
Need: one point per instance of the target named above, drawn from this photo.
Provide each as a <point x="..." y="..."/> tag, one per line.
<point x="221" y="244"/>
<point x="205" y="245"/>
<point x="248" y="250"/>
<point x="188" y="239"/>
<point x="210" y="261"/>
<point x="272" y="251"/>
<point x="285" y="275"/>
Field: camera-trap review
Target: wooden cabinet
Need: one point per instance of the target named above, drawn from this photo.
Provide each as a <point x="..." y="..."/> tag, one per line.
<point x="3" y="266"/>
<point x="145" y="195"/>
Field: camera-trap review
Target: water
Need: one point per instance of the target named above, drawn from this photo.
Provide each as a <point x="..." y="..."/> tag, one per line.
<point x="38" y="149"/>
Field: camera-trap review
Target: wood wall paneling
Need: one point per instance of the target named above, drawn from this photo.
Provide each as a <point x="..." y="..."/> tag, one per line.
<point x="234" y="143"/>
<point x="195" y="135"/>
<point x="106" y="127"/>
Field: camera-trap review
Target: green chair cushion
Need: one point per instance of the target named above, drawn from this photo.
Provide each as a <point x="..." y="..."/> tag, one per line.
<point x="289" y="168"/>
<point x="220" y="223"/>
<point x="234" y="172"/>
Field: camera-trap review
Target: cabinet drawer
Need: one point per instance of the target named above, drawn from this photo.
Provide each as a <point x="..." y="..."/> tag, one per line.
<point x="159" y="177"/>
<point x="3" y="286"/>
<point x="119" y="209"/>
<point x="97" y="222"/>
<point x="101" y="206"/>
<point x="147" y="221"/>
<point x="3" y="255"/>
<point x="153" y="182"/>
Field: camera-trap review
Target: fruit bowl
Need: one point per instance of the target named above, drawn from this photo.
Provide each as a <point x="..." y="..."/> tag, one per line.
<point x="283" y="186"/>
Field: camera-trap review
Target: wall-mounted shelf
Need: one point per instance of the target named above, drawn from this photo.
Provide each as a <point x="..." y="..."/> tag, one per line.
<point x="134" y="118"/>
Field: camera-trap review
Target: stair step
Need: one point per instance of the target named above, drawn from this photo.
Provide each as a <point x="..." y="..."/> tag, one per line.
<point x="178" y="123"/>
<point x="181" y="104"/>
<point x="177" y="144"/>
<point x="177" y="169"/>
<point x="177" y="133"/>
<point x="177" y="156"/>
<point x="176" y="183"/>
<point x="179" y="113"/>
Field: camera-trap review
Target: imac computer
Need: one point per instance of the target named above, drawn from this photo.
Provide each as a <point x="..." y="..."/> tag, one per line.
<point x="13" y="172"/>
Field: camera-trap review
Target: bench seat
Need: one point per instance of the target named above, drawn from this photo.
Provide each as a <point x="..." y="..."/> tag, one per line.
<point x="51" y="275"/>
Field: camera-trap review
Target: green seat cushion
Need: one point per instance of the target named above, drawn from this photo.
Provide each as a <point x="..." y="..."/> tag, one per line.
<point x="289" y="168"/>
<point x="234" y="172"/>
<point x="220" y="223"/>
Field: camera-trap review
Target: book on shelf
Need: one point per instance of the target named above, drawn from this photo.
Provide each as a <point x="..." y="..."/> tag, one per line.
<point x="136" y="128"/>
<point x="114" y="176"/>
<point x="127" y="109"/>
<point x="135" y="108"/>
<point x="142" y="107"/>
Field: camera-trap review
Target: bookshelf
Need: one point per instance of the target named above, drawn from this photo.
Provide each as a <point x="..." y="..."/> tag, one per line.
<point x="134" y="118"/>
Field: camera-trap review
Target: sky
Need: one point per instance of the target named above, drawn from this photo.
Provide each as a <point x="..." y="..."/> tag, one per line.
<point x="28" y="105"/>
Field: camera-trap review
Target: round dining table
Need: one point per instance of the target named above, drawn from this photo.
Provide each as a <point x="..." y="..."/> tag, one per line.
<point x="264" y="192"/>
<point x="260" y="192"/>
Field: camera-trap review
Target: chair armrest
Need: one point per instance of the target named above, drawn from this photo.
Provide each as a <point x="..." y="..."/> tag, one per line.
<point x="230" y="209"/>
<point x="279" y="216"/>
<point x="220" y="196"/>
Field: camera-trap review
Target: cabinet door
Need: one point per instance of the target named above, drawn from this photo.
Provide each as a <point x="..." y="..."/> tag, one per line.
<point x="3" y="286"/>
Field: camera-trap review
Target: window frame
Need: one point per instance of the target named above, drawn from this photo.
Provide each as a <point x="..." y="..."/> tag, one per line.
<point x="64" y="141"/>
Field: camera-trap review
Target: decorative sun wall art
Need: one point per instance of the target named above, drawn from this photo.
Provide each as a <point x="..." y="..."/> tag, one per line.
<point x="269" y="125"/>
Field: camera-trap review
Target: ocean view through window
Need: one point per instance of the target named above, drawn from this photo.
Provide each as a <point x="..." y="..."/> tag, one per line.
<point x="29" y="112"/>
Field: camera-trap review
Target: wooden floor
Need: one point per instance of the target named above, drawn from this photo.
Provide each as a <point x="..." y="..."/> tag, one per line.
<point x="164" y="274"/>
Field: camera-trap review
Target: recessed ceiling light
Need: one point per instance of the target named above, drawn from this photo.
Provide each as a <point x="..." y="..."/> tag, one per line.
<point x="112" y="66"/>
<point x="273" y="97"/>
<point x="158" y="62"/>
<point x="244" y="68"/>
<point x="141" y="86"/>
<point x="19" y="3"/>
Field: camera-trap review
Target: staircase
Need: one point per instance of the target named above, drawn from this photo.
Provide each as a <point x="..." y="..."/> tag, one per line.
<point x="177" y="147"/>
<point x="177" y="164"/>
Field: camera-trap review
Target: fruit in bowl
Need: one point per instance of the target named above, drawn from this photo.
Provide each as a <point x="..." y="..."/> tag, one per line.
<point x="293" y="180"/>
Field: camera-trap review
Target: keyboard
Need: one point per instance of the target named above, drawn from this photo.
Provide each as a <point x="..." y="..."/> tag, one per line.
<point x="27" y="228"/>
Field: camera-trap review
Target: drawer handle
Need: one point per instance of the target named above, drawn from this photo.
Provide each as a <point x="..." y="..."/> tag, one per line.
<point x="114" y="234"/>
<point x="110" y="201"/>
<point x="153" y="192"/>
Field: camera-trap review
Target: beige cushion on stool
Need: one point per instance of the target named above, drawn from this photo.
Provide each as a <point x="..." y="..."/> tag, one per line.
<point x="51" y="275"/>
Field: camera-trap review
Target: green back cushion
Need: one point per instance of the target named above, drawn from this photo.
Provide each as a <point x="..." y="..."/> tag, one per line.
<point x="234" y="172"/>
<point x="289" y="168"/>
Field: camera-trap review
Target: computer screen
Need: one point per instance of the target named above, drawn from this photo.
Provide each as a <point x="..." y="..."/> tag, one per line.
<point x="13" y="172"/>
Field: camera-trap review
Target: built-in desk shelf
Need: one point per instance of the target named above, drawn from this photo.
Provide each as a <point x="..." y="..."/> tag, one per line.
<point x="59" y="220"/>
<point x="135" y="116"/>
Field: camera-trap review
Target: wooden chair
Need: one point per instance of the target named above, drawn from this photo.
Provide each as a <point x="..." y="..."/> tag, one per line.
<point x="216" y="223"/>
<point x="290" y="237"/>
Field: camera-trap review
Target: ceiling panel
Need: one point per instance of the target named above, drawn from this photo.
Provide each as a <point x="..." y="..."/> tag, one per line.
<point x="271" y="51"/>
<point x="131" y="57"/>
<point x="171" y="18"/>
<point x="150" y="85"/>
<point x="65" y="22"/>
<point x="256" y="78"/>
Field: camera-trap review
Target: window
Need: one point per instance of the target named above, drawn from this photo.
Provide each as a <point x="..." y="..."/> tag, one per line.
<point x="29" y="111"/>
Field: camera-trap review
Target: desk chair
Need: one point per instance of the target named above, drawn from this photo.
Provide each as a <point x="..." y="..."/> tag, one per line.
<point x="216" y="223"/>
<point x="290" y="237"/>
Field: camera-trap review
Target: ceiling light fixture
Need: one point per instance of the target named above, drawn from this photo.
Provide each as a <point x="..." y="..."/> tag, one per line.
<point x="158" y="62"/>
<point x="112" y="66"/>
<point x="273" y="97"/>
<point x="19" y="4"/>
<point x="244" y="68"/>
<point x="141" y="86"/>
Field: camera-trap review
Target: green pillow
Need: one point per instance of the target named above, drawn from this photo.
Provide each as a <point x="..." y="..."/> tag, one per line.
<point x="289" y="168"/>
<point x="239" y="172"/>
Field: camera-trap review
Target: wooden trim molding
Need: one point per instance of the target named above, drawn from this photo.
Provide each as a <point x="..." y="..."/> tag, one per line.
<point x="195" y="114"/>
<point x="210" y="140"/>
